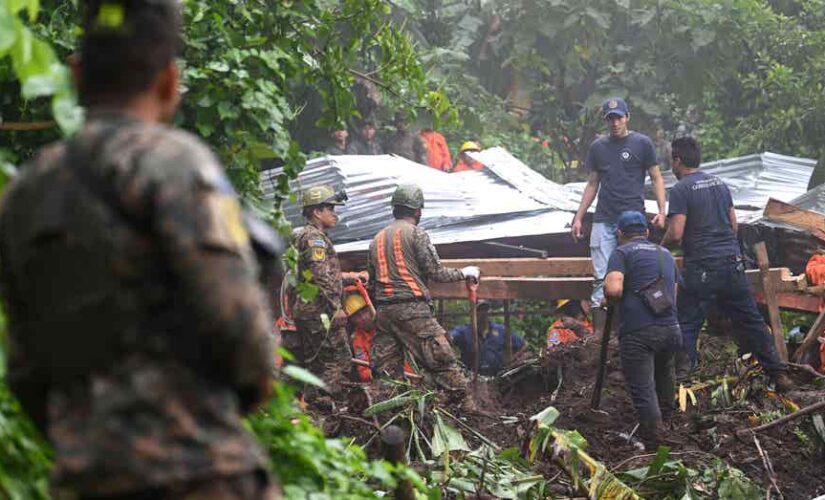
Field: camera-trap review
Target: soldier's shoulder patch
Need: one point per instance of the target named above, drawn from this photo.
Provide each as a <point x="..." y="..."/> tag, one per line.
<point x="319" y="243"/>
<point x="319" y="253"/>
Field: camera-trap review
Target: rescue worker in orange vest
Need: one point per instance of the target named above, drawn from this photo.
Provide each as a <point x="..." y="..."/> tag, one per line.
<point x="571" y="325"/>
<point x="402" y="261"/>
<point x="438" y="153"/>
<point x="362" y="326"/>
<point x="362" y="323"/>
<point x="464" y="162"/>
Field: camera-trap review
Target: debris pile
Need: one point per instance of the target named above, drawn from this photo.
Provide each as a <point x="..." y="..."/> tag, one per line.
<point x="537" y="434"/>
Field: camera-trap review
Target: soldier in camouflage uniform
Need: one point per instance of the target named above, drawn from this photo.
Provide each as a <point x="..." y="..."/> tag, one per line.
<point x="138" y="331"/>
<point x="402" y="260"/>
<point x="365" y="142"/>
<point x="406" y="143"/>
<point x="323" y="351"/>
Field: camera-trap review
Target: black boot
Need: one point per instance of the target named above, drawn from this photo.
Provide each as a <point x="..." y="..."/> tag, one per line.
<point x="649" y="435"/>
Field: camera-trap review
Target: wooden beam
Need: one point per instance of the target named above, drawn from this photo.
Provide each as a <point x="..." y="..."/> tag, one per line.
<point x="503" y="288"/>
<point x="768" y="289"/>
<point x="575" y="287"/>
<point x="779" y="211"/>
<point x="555" y="267"/>
<point x="802" y="302"/>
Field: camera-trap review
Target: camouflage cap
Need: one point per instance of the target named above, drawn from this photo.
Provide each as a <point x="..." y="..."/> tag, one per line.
<point x="322" y="195"/>
<point x="408" y="195"/>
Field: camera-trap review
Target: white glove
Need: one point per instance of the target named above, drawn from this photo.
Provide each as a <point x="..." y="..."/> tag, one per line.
<point x="471" y="272"/>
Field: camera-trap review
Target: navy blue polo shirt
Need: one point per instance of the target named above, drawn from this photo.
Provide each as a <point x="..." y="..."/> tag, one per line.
<point x="637" y="260"/>
<point x="705" y="200"/>
<point x="492" y="347"/>
<point x="621" y="164"/>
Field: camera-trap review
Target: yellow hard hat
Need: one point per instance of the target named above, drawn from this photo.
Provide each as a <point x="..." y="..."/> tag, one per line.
<point x="353" y="303"/>
<point x="470" y="146"/>
<point x="561" y="303"/>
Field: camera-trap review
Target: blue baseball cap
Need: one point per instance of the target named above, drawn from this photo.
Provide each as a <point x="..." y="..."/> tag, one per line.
<point x="632" y="220"/>
<point x="614" y="106"/>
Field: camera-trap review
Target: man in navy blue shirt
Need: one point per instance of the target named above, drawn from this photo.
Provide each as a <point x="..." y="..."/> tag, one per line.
<point x="702" y="219"/>
<point x="617" y="163"/>
<point x="491" y="342"/>
<point x="647" y="339"/>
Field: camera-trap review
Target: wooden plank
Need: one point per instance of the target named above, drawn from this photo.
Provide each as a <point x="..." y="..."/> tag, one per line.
<point x="575" y="287"/>
<point x="779" y="211"/>
<point x="503" y="288"/>
<point x="555" y="267"/>
<point x="581" y="266"/>
<point x="802" y="302"/>
<point x="508" y="336"/>
<point x="768" y="290"/>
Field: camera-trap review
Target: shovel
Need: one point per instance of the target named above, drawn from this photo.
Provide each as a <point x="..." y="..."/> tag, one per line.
<point x="596" y="401"/>
<point x="472" y="291"/>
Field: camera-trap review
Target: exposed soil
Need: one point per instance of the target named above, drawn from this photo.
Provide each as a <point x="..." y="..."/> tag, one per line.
<point x="694" y="436"/>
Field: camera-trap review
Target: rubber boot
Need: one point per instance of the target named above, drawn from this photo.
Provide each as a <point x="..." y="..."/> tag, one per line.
<point x="783" y="382"/>
<point x="649" y="435"/>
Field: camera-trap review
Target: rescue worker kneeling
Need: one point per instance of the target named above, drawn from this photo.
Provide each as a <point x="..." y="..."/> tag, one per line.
<point x="402" y="260"/>
<point x="643" y="276"/>
<point x="571" y="325"/>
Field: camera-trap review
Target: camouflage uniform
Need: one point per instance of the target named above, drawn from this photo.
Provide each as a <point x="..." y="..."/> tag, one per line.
<point x="360" y="147"/>
<point x="138" y="331"/>
<point x="401" y="262"/>
<point x="326" y="353"/>
<point x="409" y="145"/>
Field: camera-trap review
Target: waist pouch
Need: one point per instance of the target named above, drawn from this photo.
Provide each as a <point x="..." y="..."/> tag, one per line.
<point x="654" y="294"/>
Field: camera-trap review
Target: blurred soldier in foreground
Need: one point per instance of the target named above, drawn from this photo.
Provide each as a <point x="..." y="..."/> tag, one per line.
<point x="402" y="260"/>
<point x="324" y="351"/>
<point x="138" y="331"/>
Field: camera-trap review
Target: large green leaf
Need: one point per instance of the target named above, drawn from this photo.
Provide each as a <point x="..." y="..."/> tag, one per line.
<point x="446" y="438"/>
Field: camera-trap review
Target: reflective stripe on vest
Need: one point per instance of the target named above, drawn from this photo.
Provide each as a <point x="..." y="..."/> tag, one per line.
<point x="401" y="264"/>
<point x="383" y="268"/>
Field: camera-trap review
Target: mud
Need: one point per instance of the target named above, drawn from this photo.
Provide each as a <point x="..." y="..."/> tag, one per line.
<point x="696" y="436"/>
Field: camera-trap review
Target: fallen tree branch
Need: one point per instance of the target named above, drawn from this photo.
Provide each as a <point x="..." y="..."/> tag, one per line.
<point x="787" y="418"/>
<point x="807" y="369"/>
<point x="766" y="462"/>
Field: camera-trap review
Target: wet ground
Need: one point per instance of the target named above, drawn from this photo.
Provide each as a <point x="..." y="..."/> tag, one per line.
<point x="707" y="430"/>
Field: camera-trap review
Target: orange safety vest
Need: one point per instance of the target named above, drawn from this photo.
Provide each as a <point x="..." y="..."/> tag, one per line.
<point x="815" y="272"/>
<point x="362" y="346"/>
<point x="438" y="153"/>
<point x="473" y="165"/>
<point x="558" y="334"/>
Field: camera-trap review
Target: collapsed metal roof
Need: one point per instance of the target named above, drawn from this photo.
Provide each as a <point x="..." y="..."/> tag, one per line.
<point x="505" y="200"/>
<point x="755" y="178"/>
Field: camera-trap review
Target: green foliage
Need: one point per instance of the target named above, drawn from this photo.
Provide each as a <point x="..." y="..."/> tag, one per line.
<point x="664" y="478"/>
<point x="24" y="458"/>
<point x="308" y="465"/>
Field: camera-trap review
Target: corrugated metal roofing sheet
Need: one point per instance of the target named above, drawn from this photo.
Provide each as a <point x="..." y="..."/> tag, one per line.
<point x="509" y="199"/>
<point x="506" y="200"/>
<point x="755" y="178"/>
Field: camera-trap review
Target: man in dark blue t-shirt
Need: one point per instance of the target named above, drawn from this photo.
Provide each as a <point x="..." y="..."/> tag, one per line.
<point x="647" y="339"/>
<point x="703" y="220"/>
<point x="491" y="342"/>
<point x="618" y="164"/>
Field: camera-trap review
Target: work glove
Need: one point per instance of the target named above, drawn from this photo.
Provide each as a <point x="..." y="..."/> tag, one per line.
<point x="471" y="273"/>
